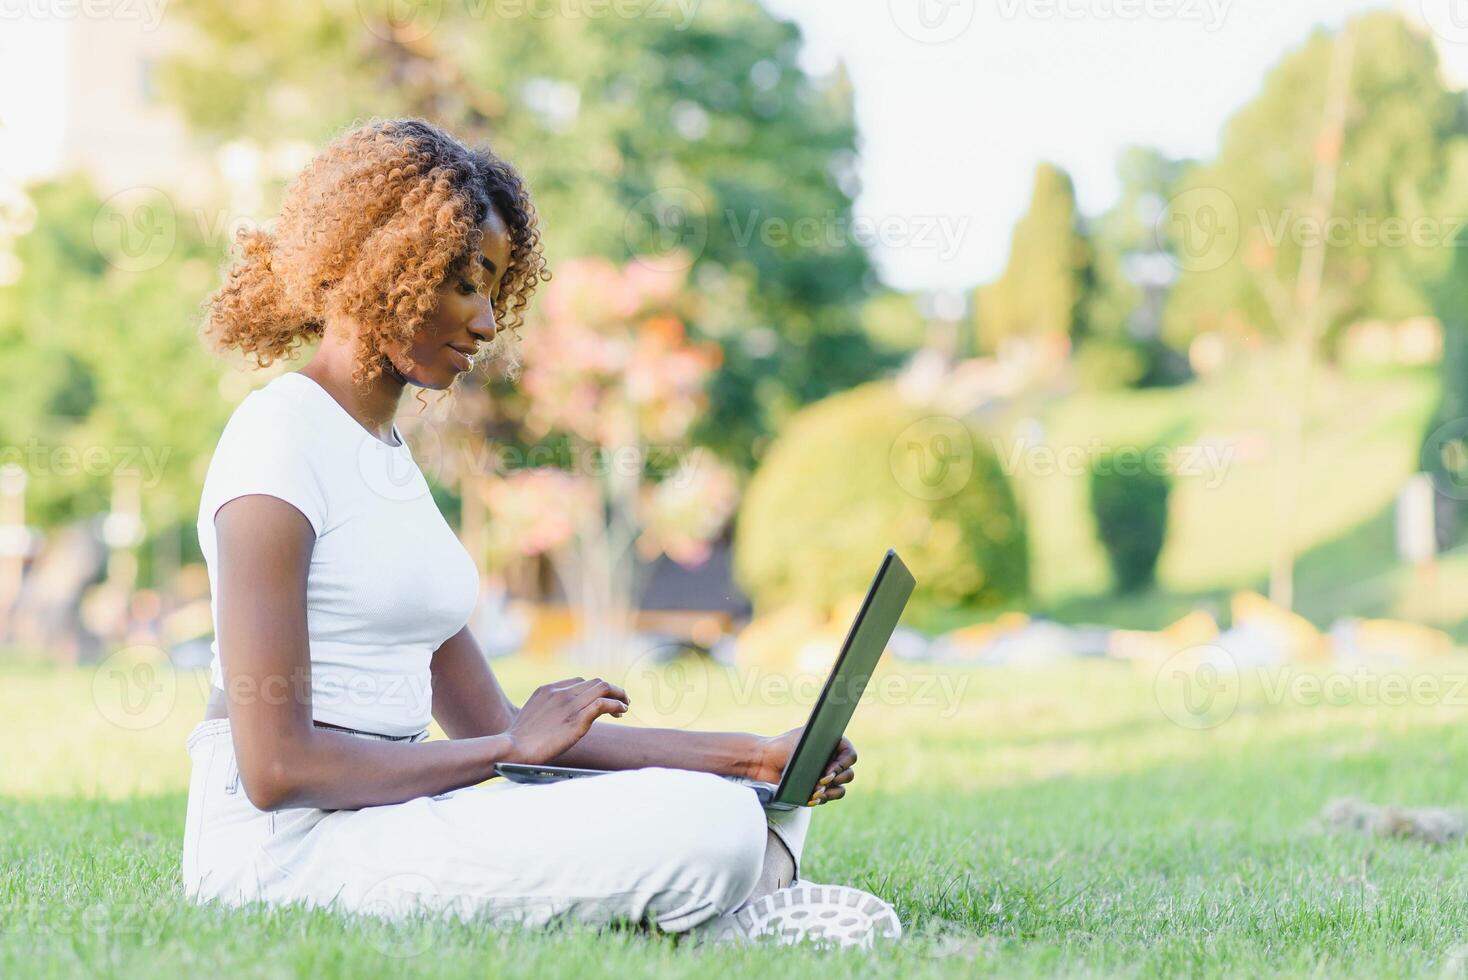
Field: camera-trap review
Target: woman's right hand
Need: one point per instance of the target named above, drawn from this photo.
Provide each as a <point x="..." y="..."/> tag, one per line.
<point x="557" y="715"/>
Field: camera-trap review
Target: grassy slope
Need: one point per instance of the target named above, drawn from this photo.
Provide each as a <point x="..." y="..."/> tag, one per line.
<point x="1362" y="441"/>
<point x="1023" y="823"/>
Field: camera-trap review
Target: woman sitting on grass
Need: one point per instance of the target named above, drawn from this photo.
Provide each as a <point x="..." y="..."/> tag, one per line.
<point x="340" y="597"/>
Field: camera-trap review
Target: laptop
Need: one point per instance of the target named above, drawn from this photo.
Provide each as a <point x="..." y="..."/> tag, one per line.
<point x="865" y="641"/>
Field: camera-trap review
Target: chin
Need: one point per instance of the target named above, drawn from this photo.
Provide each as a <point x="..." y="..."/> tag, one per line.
<point x="434" y="380"/>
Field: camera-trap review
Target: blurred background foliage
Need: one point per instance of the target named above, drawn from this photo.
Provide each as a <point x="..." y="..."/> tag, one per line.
<point x="636" y="139"/>
<point x="1242" y="309"/>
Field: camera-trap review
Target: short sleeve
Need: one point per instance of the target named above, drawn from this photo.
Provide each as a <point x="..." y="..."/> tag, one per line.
<point x="261" y="452"/>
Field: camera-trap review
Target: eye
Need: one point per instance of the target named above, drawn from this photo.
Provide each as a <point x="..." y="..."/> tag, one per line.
<point x="467" y="288"/>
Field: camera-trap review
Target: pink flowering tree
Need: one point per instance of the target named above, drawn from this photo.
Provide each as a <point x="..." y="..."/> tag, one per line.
<point x="608" y="366"/>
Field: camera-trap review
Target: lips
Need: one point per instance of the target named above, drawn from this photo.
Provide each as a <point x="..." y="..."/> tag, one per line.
<point x="464" y="357"/>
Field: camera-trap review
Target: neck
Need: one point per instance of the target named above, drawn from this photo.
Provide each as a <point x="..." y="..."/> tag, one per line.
<point x="373" y="405"/>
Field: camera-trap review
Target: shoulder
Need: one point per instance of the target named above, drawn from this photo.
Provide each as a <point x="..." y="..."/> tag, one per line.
<point x="271" y="444"/>
<point x="279" y="420"/>
<point x="280" y="402"/>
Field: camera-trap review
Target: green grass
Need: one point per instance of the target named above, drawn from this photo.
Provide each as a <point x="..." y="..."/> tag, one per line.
<point x="1362" y="439"/>
<point x="1023" y="822"/>
<point x="1363" y="432"/>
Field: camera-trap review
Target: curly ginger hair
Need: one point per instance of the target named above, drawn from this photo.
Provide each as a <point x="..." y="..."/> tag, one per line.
<point x="368" y="231"/>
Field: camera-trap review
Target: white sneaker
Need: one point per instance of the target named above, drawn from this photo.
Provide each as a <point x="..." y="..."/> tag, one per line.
<point x="829" y="915"/>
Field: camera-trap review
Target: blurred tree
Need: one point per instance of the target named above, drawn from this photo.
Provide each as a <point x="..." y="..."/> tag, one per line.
<point x="668" y="129"/>
<point x="1044" y="287"/>
<point x="609" y="368"/>
<point x="1332" y="198"/>
<point x="867" y="470"/>
<point x="894" y="321"/>
<point x="1445" y="443"/>
<point x="99" y="355"/>
<point x="1243" y="225"/>
<point x="1122" y="345"/>
<point x="1129" y="506"/>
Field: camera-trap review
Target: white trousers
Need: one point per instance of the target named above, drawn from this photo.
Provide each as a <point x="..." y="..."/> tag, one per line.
<point x="667" y="846"/>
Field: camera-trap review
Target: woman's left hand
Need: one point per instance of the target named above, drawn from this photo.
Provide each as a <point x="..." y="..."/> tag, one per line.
<point x="776" y="751"/>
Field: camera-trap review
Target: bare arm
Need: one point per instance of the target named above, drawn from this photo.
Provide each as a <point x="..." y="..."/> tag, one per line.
<point x="469" y="702"/>
<point x="265" y="549"/>
<point x="725" y="753"/>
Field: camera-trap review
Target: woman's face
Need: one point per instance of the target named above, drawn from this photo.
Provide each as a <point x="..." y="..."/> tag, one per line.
<point x="462" y="328"/>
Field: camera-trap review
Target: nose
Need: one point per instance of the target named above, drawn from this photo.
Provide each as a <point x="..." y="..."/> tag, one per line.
<point x="483" y="326"/>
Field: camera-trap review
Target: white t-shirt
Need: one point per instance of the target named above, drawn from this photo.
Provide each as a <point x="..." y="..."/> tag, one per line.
<point x="389" y="580"/>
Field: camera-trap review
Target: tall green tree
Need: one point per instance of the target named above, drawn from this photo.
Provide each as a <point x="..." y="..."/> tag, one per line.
<point x="1245" y="224"/>
<point x="1044" y="287"/>
<point x="1333" y="198"/>
<point x="1133" y="270"/>
<point x="673" y="128"/>
<point x="100" y="360"/>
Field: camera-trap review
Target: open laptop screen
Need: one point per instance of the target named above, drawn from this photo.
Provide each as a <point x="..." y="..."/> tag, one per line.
<point x="865" y="641"/>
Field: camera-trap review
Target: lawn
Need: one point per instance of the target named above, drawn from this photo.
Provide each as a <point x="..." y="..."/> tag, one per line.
<point x="1364" y="429"/>
<point x="1068" y="820"/>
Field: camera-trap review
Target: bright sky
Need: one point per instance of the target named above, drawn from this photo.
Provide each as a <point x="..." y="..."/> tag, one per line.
<point x="957" y="100"/>
<point x="33" y="56"/>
